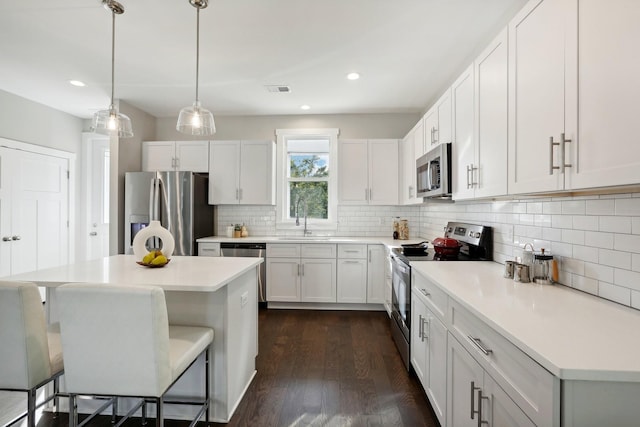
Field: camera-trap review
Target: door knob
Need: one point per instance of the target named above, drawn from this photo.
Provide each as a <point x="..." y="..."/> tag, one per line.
<point x="93" y="233"/>
<point x="6" y="239"/>
<point x="15" y="237"/>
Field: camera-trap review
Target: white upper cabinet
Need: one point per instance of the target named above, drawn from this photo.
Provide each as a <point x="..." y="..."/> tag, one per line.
<point x="438" y="123"/>
<point x="368" y="171"/>
<point x="480" y="131"/>
<point x="242" y="172"/>
<point x="408" y="155"/>
<point x="464" y="158"/>
<point x="606" y="150"/>
<point x="542" y="98"/>
<point x="175" y="156"/>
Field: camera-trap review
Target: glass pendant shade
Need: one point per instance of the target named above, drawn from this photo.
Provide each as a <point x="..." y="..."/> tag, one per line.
<point x="108" y="122"/>
<point x="195" y="120"/>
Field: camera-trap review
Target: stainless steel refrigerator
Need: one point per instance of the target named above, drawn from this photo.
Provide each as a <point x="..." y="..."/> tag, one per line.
<point x="179" y="200"/>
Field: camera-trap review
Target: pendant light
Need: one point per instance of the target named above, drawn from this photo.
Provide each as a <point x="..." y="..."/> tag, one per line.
<point x="195" y="120"/>
<point x="110" y="121"/>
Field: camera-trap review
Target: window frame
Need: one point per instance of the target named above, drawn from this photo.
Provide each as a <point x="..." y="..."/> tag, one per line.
<point x="283" y="222"/>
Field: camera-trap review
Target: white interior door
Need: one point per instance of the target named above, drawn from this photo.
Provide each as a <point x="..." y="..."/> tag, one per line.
<point x="96" y="229"/>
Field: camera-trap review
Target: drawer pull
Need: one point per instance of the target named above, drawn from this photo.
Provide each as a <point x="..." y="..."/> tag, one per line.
<point x="424" y="291"/>
<point x="481" y="347"/>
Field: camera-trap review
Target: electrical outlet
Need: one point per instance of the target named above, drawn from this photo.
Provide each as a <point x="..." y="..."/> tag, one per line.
<point x="244" y="299"/>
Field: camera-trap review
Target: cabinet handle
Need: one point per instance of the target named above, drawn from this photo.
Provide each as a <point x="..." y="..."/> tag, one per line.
<point x="15" y="237"/>
<point x="370" y="195"/>
<point x="369" y="255"/>
<point x="303" y="269"/>
<point x="473" y="395"/>
<point x="237" y="194"/>
<point x="480" y="346"/>
<point x="420" y="325"/>
<point x="177" y="162"/>
<point x="410" y="191"/>
<point x="471" y="170"/>
<point x="240" y="194"/>
<point x="551" y="145"/>
<point x="6" y="239"/>
<point x="468" y="181"/>
<point x="351" y="251"/>
<point x="563" y="154"/>
<point x="480" y="399"/>
<point x="348" y="261"/>
<point x="425" y="326"/>
<point x="435" y="132"/>
<point x="425" y="293"/>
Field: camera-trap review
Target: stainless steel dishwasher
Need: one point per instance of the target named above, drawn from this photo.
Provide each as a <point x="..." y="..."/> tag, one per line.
<point x="250" y="250"/>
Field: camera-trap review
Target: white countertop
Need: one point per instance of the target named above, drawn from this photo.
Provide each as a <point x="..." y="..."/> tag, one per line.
<point x="388" y="241"/>
<point x="574" y="335"/>
<point x="183" y="273"/>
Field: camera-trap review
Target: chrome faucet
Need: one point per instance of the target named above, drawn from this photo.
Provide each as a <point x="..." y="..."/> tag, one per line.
<point x="305" y="232"/>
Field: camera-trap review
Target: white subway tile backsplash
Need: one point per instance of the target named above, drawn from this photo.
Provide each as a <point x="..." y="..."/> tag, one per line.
<point x="585" y="253"/>
<point x="598" y="272"/>
<point x="534" y="207"/>
<point x="556" y="234"/>
<point x="635" y="262"/>
<point x="626" y="278"/>
<point x="615" y="224"/>
<point x="561" y="249"/>
<point x="572" y="265"/>
<point x="627" y="206"/>
<point x="573" y="236"/>
<point x="585" y="222"/>
<point x="584" y="284"/>
<point x="635" y="225"/>
<point x="615" y="258"/>
<point x="598" y="239"/>
<point x="561" y="221"/>
<point x="552" y="208"/>
<point x="600" y="207"/>
<point x="635" y="299"/>
<point x="573" y="207"/>
<point x="627" y="242"/>
<point x="614" y="293"/>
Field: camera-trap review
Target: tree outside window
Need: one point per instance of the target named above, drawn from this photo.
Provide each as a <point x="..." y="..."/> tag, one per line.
<point x="308" y="185"/>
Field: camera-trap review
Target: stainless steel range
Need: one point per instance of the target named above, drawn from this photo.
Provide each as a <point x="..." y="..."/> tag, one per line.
<point x="471" y="242"/>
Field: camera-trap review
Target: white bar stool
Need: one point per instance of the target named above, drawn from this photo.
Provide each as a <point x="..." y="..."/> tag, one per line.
<point x="30" y="353"/>
<point x="117" y="341"/>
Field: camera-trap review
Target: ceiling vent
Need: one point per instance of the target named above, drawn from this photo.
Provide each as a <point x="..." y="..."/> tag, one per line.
<point x="278" y="88"/>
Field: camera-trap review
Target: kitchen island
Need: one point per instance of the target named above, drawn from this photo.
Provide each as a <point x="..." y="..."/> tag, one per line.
<point x="220" y="293"/>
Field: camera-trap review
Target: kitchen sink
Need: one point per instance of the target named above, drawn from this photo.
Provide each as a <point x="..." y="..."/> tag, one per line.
<point x="303" y="239"/>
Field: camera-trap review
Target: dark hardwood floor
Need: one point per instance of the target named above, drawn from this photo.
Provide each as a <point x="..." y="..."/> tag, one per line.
<point x="322" y="368"/>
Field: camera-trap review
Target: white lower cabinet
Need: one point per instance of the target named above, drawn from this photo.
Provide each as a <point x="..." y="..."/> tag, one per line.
<point x="375" y="274"/>
<point x="475" y="399"/>
<point x="301" y="273"/>
<point x="352" y="280"/>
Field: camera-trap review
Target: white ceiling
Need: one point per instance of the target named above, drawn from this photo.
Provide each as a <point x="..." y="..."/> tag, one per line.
<point x="407" y="52"/>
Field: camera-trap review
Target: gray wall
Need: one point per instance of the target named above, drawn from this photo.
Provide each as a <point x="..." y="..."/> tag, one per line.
<point x="263" y="127"/>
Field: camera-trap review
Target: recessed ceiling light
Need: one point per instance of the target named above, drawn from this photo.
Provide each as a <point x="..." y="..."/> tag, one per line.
<point x="305" y="107"/>
<point x="77" y="83"/>
<point x="353" y="76"/>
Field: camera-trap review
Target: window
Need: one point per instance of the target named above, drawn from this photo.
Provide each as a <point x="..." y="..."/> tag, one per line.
<point x="307" y="177"/>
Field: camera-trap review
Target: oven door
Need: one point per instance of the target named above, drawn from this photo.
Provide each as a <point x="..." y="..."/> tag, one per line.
<point x="401" y="295"/>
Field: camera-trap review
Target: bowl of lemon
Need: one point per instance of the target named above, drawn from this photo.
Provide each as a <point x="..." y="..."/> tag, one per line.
<point x="154" y="259"/>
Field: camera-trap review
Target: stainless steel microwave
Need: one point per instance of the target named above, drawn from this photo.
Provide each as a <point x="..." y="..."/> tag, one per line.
<point x="433" y="172"/>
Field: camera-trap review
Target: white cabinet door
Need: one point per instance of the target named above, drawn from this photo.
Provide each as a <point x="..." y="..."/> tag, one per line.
<point x="430" y="121"/>
<point x="318" y="280"/>
<point x="352" y="280"/>
<point x="606" y="151"/>
<point x="462" y="92"/>
<point x="491" y="131"/>
<point x="408" y="153"/>
<point x="224" y="173"/>
<point x="158" y="156"/>
<point x="436" y="386"/>
<point x="192" y="156"/>
<point x="5" y="211"/>
<point x="465" y="377"/>
<point x="283" y="279"/>
<point x="376" y="274"/>
<point x="419" y="339"/>
<point x="257" y="173"/>
<point x="444" y="131"/>
<point x="542" y="78"/>
<point x="353" y="172"/>
<point x="499" y="410"/>
<point x="383" y="172"/>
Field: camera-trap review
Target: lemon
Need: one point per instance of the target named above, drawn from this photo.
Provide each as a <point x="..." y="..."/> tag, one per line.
<point x="159" y="260"/>
<point x="149" y="257"/>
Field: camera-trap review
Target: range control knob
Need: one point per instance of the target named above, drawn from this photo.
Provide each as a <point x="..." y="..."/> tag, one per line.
<point x="476" y="235"/>
<point x="471" y="234"/>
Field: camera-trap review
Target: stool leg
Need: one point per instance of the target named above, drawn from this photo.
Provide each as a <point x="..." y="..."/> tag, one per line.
<point x="144" y="412"/>
<point x="159" y="414"/>
<point x="114" y="412"/>
<point x="56" y="399"/>
<point x="31" y="408"/>
<point x="207" y="372"/>
<point x="73" y="411"/>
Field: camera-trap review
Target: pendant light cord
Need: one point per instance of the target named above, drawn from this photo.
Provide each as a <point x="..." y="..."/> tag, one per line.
<point x="113" y="54"/>
<point x="197" y="49"/>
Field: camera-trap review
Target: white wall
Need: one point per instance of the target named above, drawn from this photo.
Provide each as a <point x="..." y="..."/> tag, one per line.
<point x="596" y="238"/>
<point x="27" y="121"/>
<point x="263" y="127"/>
